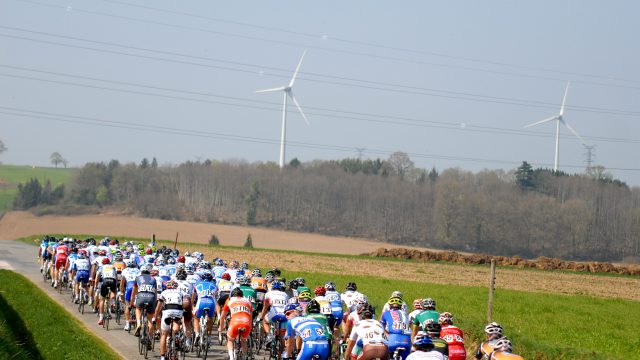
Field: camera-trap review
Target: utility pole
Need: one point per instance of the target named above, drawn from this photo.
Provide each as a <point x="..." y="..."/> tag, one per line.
<point x="360" y="152"/>
<point x="590" y="154"/>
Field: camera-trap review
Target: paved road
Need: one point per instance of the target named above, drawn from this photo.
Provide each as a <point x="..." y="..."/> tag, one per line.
<point x="20" y="257"/>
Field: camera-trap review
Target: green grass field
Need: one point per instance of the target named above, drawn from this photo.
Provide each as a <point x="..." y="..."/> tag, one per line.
<point x="32" y="326"/>
<point x="542" y="326"/>
<point x="12" y="175"/>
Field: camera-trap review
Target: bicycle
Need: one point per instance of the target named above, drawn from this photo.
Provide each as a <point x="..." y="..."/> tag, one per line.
<point x="222" y="335"/>
<point x="258" y="336"/>
<point x="144" y="341"/>
<point x="82" y="300"/>
<point x="203" y="346"/>
<point x="118" y="309"/>
<point x="397" y="354"/>
<point x="106" y="315"/>
<point x="175" y="342"/>
<point x="275" y="352"/>
<point x="238" y="354"/>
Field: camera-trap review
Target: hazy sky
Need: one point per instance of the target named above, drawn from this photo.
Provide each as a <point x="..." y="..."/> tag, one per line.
<point x="452" y="83"/>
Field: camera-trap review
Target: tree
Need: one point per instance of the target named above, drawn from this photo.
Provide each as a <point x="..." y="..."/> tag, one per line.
<point x="144" y="163"/>
<point x="251" y="203"/>
<point x="524" y="176"/>
<point x="599" y="173"/>
<point x="401" y="163"/>
<point x="2" y="147"/>
<point x="294" y="163"/>
<point x="249" y="242"/>
<point x="214" y="240"/>
<point x="102" y="196"/>
<point x="57" y="159"/>
<point x="154" y="163"/>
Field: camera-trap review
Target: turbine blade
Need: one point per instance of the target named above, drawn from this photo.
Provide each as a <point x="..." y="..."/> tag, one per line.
<point x="542" y="121"/>
<point x="280" y="88"/>
<point x="573" y="131"/>
<point x="298" y="106"/>
<point x="564" y="99"/>
<point x="295" y="73"/>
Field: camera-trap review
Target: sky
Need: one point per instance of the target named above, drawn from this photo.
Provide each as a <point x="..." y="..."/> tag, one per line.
<point x="451" y="83"/>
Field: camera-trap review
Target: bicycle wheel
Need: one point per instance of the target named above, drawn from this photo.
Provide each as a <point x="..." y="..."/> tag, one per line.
<point x="118" y="308"/>
<point x="205" y="350"/>
<point x="147" y="339"/>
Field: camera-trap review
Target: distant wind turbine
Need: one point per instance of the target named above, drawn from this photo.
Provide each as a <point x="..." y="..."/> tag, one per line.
<point x="287" y="93"/>
<point x="560" y="119"/>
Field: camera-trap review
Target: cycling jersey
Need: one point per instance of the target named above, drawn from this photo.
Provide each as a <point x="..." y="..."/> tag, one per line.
<point x="313" y="335"/>
<point x="249" y="293"/>
<point x="425" y="315"/>
<point x="108" y="271"/>
<point x="172" y="299"/>
<point x="129" y="275"/>
<point x="426" y="355"/>
<point x="322" y="319"/>
<point x="240" y="309"/>
<point x="82" y="267"/>
<point x="404" y="307"/>
<point x="349" y="297"/>
<point x="217" y="271"/>
<point x="335" y="302"/>
<point x="455" y="340"/>
<point x="206" y="292"/>
<point x="396" y="323"/>
<point x="277" y="300"/>
<point x="146" y="284"/>
<point x="504" y="355"/>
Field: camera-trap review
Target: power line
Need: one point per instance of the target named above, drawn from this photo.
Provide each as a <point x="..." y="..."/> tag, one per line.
<point x="299" y="45"/>
<point x="369" y="44"/>
<point x="429" y="92"/>
<point x="26" y="113"/>
<point x="351" y="115"/>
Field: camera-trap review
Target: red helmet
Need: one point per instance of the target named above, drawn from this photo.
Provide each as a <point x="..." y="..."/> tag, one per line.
<point x="149" y="251"/>
<point x="226" y="276"/>
<point x="181" y="259"/>
<point x="320" y="291"/>
<point x="105" y="261"/>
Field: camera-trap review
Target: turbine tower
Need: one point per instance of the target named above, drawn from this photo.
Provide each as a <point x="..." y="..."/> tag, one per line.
<point x="559" y="119"/>
<point x="288" y="93"/>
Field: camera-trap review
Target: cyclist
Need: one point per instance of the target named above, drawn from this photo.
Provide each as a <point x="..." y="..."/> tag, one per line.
<point x="493" y="332"/>
<point x="259" y="284"/>
<point x="424" y="349"/>
<point x="273" y="310"/>
<point x="417" y="308"/>
<point x="314" y="312"/>
<point x="224" y="289"/>
<point x="502" y="350"/>
<point x="143" y="296"/>
<point x="433" y="330"/>
<point x="429" y="313"/>
<point x="399" y="295"/>
<point x="312" y="334"/>
<point x="204" y="294"/>
<point x="371" y="333"/>
<point x="187" y="291"/>
<point x="219" y="269"/>
<point x="169" y="307"/>
<point x="129" y="275"/>
<point x="80" y="271"/>
<point x="244" y="284"/>
<point x="60" y="260"/>
<point x="453" y="336"/>
<point x="107" y="275"/>
<point x="240" y="323"/>
<point x="396" y="324"/>
<point x="303" y="299"/>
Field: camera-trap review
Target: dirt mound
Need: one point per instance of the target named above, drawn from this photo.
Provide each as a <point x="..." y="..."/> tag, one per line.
<point x="543" y="263"/>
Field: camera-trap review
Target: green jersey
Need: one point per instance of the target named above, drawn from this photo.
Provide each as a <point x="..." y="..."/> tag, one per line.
<point x="249" y="293"/>
<point x="322" y="319"/>
<point x="422" y="318"/>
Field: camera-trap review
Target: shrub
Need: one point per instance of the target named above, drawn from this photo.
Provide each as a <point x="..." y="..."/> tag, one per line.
<point x="249" y="242"/>
<point x="214" y="240"/>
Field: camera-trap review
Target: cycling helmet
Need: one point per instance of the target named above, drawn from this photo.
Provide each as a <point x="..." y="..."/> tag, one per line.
<point x="244" y="280"/>
<point x="234" y="264"/>
<point x="276" y="272"/>
<point x="351" y="286"/>
<point x="503" y="344"/>
<point x="239" y="272"/>
<point x="395" y="302"/>
<point x="305" y="295"/>
<point x="330" y="286"/>
<point x="180" y="266"/>
<point x="140" y="246"/>
<point x="171" y="261"/>
<point x="146" y="268"/>
<point x="293" y="284"/>
<point x="149" y="251"/>
<point x="182" y="259"/>
<point x="494" y="330"/>
<point x="428" y="304"/>
<point x="118" y="256"/>
<point x="432" y="328"/>
<point x="219" y="262"/>
<point x="141" y="252"/>
<point x="313" y="307"/>
<point x="105" y="261"/>
<point x="206" y="276"/>
<point x="417" y="304"/>
<point x="82" y="254"/>
<point x="154" y="272"/>
<point x="236" y="292"/>
<point x="320" y="291"/>
<point x="191" y="268"/>
<point x="397" y="294"/>
<point x="186" y="253"/>
<point x="277" y="285"/>
<point x="132" y="263"/>
<point x="160" y="261"/>
<point x="367" y="308"/>
<point x="181" y="274"/>
<point x="269" y="277"/>
<point x="226" y="276"/>
<point x="422" y="340"/>
<point x="244" y="266"/>
<point x="446" y="318"/>
<point x="172" y="284"/>
<point x="290" y="307"/>
<point x="256" y="273"/>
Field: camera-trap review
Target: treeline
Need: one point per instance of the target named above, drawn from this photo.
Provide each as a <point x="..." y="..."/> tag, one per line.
<point x="527" y="212"/>
<point x="32" y="193"/>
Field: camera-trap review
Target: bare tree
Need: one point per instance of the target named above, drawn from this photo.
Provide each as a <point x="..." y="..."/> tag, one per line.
<point x="57" y="159"/>
<point x="401" y="163"/>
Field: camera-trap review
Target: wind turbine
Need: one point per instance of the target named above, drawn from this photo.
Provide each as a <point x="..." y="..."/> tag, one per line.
<point x="288" y="93"/>
<point x="560" y="119"/>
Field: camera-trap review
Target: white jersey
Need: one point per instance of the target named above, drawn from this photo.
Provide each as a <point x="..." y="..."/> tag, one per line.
<point x="369" y="331"/>
<point x="190" y="260"/>
<point x="412" y="315"/>
<point x="185" y="287"/>
<point x="98" y="261"/>
<point x="278" y="300"/>
<point x="159" y="283"/>
<point x="82" y="265"/>
<point x="233" y="273"/>
<point x="349" y="297"/>
<point x="193" y="278"/>
<point x="171" y="297"/>
<point x="130" y="274"/>
<point x="333" y="296"/>
<point x="90" y="250"/>
<point x="426" y="355"/>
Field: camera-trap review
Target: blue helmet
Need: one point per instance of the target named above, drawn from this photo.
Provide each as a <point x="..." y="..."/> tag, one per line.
<point x="219" y="262"/>
<point x="277" y="285"/>
<point x="206" y="276"/>
<point x="423" y="340"/>
<point x="290" y="307"/>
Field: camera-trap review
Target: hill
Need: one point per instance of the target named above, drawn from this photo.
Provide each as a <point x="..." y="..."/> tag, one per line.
<point x="12" y="175"/>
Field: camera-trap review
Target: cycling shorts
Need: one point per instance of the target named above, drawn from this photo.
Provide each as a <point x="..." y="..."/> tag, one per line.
<point x="338" y="315"/>
<point x="167" y="315"/>
<point x="147" y="301"/>
<point x="240" y="321"/>
<point x="457" y="352"/>
<point x="222" y="298"/>
<point x="314" y="348"/>
<point x="128" y="291"/>
<point x="61" y="261"/>
<point x="400" y="340"/>
<point x="108" y="285"/>
<point x="202" y="305"/>
<point x="82" y="276"/>
<point x="187" y="309"/>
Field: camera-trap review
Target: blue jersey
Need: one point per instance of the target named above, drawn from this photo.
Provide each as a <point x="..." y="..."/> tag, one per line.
<point x="218" y="271"/>
<point x="307" y="329"/>
<point x="171" y="269"/>
<point x="395" y="322"/>
<point x="146" y="283"/>
<point x="205" y="289"/>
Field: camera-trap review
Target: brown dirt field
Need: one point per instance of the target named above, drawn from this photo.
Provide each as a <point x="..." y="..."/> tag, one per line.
<point x="18" y="224"/>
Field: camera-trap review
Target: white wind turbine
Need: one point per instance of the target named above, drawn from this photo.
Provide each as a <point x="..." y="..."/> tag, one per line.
<point x="560" y="119"/>
<point x="287" y="93"/>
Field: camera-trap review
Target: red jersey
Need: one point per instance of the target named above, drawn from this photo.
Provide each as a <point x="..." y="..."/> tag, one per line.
<point x="62" y="249"/>
<point x="455" y="339"/>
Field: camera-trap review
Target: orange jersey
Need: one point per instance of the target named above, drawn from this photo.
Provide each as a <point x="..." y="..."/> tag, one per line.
<point x="238" y="306"/>
<point x="501" y="355"/>
<point x="259" y="283"/>
<point x="119" y="266"/>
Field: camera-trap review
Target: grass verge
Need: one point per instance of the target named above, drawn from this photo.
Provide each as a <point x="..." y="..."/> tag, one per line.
<point x="32" y="326"/>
